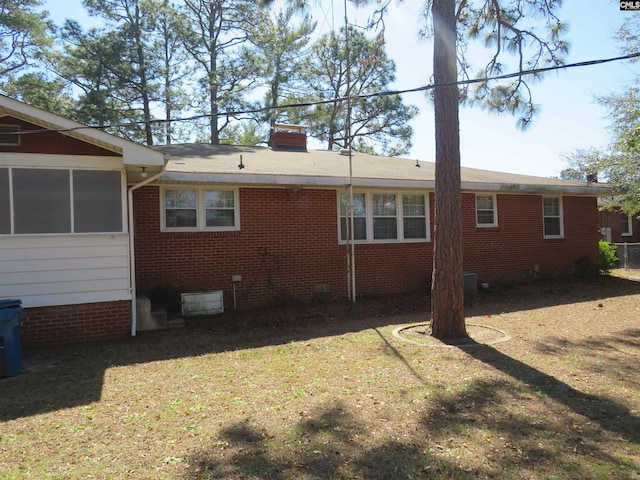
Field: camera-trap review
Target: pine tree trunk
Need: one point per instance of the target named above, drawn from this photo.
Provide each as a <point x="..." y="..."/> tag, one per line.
<point x="447" y="293"/>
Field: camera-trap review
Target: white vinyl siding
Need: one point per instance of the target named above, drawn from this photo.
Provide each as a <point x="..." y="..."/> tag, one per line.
<point x="188" y="209"/>
<point x="47" y="270"/>
<point x="552" y="217"/>
<point x="486" y="211"/>
<point x="385" y="217"/>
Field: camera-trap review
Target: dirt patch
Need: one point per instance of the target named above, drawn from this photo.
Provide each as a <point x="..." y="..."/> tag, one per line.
<point x="420" y="334"/>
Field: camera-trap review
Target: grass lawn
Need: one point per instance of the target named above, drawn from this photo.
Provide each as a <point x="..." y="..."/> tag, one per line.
<point x="327" y="391"/>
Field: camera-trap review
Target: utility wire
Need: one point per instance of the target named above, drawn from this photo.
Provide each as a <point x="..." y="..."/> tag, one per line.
<point x="423" y="88"/>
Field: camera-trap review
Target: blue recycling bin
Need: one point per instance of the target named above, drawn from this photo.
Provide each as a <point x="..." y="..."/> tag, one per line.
<point x="10" y="338"/>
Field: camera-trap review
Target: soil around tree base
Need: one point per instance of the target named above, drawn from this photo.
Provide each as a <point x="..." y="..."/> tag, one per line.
<point x="478" y="334"/>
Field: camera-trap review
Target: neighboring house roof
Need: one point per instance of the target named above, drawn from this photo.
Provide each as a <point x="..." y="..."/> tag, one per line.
<point x="264" y="166"/>
<point x="132" y="153"/>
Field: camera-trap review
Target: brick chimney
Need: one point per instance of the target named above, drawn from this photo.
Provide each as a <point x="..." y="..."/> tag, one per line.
<point x="289" y="137"/>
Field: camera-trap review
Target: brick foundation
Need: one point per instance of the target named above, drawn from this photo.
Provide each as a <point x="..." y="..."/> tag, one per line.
<point x="46" y="326"/>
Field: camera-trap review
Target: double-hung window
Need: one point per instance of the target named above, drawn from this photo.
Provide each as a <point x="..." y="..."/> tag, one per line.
<point x="486" y="211"/>
<point x="625" y="225"/>
<point x="200" y="208"/>
<point x="53" y="200"/>
<point x="414" y="217"/>
<point x="359" y="212"/>
<point x="385" y="217"/>
<point x="552" y="217"/>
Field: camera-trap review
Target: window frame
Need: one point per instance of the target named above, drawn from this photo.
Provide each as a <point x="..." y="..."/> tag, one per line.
<point x="494" y="210"/>
<point x="560" y="217"/>
<point x="369" y="217"/>
<point x="629" y="222"/>
<point x="71" y="204"/>
<point x="201" y="210"/>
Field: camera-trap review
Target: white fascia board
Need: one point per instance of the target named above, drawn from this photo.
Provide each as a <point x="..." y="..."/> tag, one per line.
<point x="285" y="180"/>
<point x="132" y="153"/>
<point x="591" y="190"/>
<point x="297" y="180"/>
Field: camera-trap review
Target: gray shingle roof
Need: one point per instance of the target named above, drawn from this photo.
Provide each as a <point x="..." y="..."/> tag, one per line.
<point x="264" y="166"/>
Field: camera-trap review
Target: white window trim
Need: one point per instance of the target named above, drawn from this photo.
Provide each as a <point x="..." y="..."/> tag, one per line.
<point x="629" y="227"/>
<point x="399" y="216"/>
<point x="201" y="221"/>
<point x="495" y="210"/>
<point x="561" y="235"/>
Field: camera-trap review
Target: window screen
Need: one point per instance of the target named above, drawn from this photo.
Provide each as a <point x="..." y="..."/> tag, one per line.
<point x="42" y="201"/>
<point x="5" y="205"/>
<point x="97" y="201"/>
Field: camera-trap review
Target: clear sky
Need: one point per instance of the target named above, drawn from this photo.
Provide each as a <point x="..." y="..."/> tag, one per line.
<point x="569" y="117"/>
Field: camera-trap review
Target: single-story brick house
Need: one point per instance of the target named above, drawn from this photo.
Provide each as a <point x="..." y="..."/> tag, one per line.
<point x="88" y="221"/>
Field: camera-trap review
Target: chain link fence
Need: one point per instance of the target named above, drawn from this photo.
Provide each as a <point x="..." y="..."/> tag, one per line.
<point x="628" y="255"/>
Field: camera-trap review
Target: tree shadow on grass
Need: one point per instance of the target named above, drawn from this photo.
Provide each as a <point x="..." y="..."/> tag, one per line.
<point x="330" y="443"/>
<point x="609" y="414"/>
<point x="57" y="378"/>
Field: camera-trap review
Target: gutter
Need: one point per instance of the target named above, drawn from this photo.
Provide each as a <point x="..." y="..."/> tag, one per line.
<point x="132" y="257"/>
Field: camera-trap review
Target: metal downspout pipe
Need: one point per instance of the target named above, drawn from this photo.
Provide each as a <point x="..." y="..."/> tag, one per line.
<point x="132" y="256"/>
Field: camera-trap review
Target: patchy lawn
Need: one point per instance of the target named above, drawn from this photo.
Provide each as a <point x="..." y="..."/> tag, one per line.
<point x="328" y="392"/>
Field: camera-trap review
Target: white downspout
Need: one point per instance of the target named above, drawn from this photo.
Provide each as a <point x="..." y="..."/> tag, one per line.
<point x="132" y="256"/>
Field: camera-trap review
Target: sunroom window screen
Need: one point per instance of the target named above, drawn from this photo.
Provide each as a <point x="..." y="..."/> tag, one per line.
<point x="5" y="202"/>
<point x="41" y="201"/>
<point x="97" y="201"/>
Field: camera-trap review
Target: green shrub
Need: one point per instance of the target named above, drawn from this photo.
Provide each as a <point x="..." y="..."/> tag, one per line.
<point x="607" y="256"/>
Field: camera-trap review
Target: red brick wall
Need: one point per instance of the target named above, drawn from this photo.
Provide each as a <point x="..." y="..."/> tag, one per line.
<point x="288" y="245"/>
<point x="45" y="326"/>
<point x="510" y="251"/>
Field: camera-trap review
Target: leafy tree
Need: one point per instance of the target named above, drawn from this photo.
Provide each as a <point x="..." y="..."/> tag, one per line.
<point x="279" y="46"/>
<point x="378" y="122"/>
<point x="175" y="67"/>
<point x="24" y="32"/>
<point x="217" y="29"/>
<point x="243" y="133"/>
<point x="87" y="62"/>
<point x="619" y="163"/>
<point x="136" y="65"/>
<point x="35" y="89"/>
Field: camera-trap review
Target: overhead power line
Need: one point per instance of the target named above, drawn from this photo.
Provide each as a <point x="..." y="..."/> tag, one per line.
<point x="424" y="88"/>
